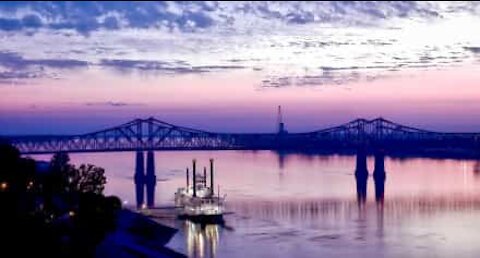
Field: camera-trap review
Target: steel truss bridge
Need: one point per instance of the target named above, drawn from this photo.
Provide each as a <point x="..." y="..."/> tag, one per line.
<point x="377" y="136"/>
<point x="153" y="134"/>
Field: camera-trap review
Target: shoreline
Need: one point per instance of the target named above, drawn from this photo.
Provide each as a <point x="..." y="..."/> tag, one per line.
<point x="137" y="235"/>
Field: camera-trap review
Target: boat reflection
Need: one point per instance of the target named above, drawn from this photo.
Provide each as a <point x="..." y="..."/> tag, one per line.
<point x="202" y="239"/>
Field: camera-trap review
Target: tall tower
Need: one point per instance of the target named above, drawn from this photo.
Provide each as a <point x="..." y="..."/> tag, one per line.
<point x="281" y="125"/>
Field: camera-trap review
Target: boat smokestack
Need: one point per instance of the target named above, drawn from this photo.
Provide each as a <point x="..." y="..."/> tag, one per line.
<point x="194" y="179"/>
<point x="205" y="176"/>
<point x="211" y="175"/>
<point x="188" y="180"/>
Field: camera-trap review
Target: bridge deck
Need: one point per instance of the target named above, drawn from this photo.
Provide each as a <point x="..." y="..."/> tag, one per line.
<point x="153" y="134"/>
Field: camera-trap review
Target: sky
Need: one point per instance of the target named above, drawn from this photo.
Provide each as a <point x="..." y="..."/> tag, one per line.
<point x="76" y="67"/>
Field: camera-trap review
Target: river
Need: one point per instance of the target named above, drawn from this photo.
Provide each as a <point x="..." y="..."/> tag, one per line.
<point x="307" y="205"/>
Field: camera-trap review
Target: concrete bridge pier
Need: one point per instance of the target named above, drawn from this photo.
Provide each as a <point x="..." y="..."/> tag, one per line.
<point x="150" y="179"/>
<point x="361" y="163"/>
<point x="139" y="179"/>
<point x="361" y="175"/>
<point x="379" y="175"/>
<point x="379" y="169"/>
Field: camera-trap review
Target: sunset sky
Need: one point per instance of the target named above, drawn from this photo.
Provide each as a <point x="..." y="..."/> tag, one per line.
<point x="81" y="66"/>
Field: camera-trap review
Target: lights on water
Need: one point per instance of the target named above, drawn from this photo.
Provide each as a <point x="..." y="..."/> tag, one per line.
<point x="4" y="186"/>
<point x="202" y="241"/>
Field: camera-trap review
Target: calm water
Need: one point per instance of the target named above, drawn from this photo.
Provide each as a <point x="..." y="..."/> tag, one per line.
<point x="306" y="206"/>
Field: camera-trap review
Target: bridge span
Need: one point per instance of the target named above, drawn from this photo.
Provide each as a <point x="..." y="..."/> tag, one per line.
<point x="153" y="134"/>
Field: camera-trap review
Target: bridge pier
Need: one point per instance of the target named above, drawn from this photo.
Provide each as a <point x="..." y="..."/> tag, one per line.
<point x="150" y="179"/>
<point x="379" y="175"/>
<point x="139" y="179"/>
<point x="361" y="175"/>
<point x="361" y="163"/>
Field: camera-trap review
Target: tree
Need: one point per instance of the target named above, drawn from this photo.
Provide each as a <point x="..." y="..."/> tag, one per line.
<point x="60" y="162"/>
<point x="15" y="171"/>
<point x="69" y="179"/>
<point x="87" y="179"/>
<point x="59" y="212"/>
<point x="55" y="181"/>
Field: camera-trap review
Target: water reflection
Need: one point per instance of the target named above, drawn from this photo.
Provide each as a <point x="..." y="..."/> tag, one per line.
<point x="202" y="239"/>
<point x="424" y="208"/>
<point x="379" y="188"/>
<point x="281" y="160"/>
<point x="476" y="168"/>
<point x="311" y="209"/>
<point x="379" y="183"/>
<point x="361" y="180"/>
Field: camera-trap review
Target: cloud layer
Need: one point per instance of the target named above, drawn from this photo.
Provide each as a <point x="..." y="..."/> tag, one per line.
<point x="85" y="17"/>
<point x="286" y="43"/>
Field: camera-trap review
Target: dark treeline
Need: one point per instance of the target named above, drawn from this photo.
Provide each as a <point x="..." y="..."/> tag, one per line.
<point x="52" y="209"/>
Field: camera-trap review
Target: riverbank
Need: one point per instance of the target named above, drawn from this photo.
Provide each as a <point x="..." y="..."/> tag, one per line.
<point x="137" y="235"/>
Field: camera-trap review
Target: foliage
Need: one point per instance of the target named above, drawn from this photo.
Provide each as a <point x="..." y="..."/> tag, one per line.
<point x="67" y="178"/>
<point x="56" y="213"/>
<point x="86" y="179"/>
<point x="60" y="162"/>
